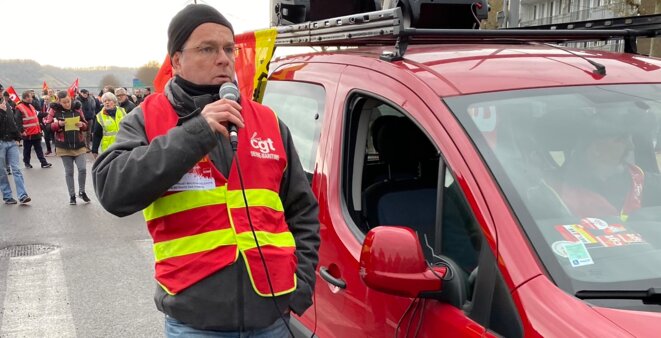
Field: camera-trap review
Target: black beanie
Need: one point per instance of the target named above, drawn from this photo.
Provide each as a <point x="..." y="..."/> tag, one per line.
<point x="185" y="22"/>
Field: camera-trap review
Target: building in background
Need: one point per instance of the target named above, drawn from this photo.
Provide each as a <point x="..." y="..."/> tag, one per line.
<point x="522" y="13"/>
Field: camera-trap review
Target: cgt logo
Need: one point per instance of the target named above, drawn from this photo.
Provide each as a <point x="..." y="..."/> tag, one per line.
<point x="264" y="146"/>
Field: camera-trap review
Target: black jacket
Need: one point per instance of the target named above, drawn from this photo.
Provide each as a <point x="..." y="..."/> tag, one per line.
<point x="89" y="107"/>
<point x="72" y="139"/>
<point x="128" y="106"/>
<point x="133" y="173"/>
<point x="9" y="125"/>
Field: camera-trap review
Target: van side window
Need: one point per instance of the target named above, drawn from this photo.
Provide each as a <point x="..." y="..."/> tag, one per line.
<point x="300" y="106"/>
<point x="391" y="177"/>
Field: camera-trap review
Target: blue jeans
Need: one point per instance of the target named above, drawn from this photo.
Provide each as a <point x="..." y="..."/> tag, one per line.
<point x="177" y="329"/>
<point x="9" y="153"/>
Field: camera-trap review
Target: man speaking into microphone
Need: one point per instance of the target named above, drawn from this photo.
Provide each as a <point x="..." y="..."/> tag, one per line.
<point x="235" y="229"/>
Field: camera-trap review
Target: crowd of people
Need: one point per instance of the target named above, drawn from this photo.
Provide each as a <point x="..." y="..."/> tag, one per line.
<point x="69" y="127"/>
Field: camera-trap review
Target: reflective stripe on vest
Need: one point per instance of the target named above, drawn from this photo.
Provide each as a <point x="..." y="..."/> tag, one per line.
<point x="213" y="239"/>
<point x="110" y="127"/>
<point x="190" y="227"/>
<point x="29" y="114"/>
<point x="185" y="200"/>
<point x="193" y="244"/>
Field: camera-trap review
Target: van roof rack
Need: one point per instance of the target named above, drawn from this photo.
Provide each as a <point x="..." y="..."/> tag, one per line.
<point x="647" y="25"/>
<point x="386" y="27"/>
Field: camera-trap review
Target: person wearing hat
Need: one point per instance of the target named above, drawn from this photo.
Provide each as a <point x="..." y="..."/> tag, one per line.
<point x="123" y="100"/>
<point x="9" y="137"/>
<point x="173" y="158"/>
<point x="607" y="174"/>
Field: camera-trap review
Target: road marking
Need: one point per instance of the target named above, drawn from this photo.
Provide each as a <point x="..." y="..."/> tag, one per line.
<point x="36" y="300"/>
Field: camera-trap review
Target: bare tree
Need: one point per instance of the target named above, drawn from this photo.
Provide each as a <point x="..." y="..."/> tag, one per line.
<point x="109" y="80"/>
<point x="147" y="72"/>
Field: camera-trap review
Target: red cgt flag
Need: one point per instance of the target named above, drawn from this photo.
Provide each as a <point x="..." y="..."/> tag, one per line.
<point x="73" y="89"/>
<point x="13" y="95"/>
<point x="44" y="87"/>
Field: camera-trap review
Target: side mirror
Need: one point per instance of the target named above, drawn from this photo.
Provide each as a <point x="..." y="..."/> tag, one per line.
<point x="392" y="261"/>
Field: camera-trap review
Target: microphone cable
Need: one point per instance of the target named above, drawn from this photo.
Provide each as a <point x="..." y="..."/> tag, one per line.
<point x="254" y="235"/>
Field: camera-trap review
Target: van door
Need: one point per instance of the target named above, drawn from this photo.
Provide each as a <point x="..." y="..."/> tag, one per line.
<point x="383" y="168"/>
<point x="302" y="95"/>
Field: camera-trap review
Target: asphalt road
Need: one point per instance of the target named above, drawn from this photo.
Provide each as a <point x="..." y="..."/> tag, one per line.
<point x="96" y="283"/>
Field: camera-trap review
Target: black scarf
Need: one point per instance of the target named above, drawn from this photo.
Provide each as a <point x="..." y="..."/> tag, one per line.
<point x="195" y="89"/>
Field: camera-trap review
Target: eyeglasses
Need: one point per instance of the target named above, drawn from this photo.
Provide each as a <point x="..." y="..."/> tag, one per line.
<point x="209" y="51"/>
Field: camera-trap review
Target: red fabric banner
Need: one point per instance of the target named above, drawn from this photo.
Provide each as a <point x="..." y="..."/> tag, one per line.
<point x="13" y="95"/>
<point x="245" y="63"/>
<point x="73" y="90"/>
<point x="164" y="74"/>
<point x="44" y="86"/>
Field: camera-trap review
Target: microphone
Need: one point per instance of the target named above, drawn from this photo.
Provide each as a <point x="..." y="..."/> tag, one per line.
<point x="229" y="91"/>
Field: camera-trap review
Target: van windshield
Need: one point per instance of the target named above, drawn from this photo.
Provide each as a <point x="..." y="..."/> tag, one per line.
<point x="580" y="168"/>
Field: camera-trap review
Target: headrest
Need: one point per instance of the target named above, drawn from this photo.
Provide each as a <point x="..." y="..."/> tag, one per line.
<point x="378" y="125"/>
<point x="399" y="141"/>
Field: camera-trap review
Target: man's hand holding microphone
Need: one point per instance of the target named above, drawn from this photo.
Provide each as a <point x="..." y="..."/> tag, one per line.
<point x="224" y="115"/>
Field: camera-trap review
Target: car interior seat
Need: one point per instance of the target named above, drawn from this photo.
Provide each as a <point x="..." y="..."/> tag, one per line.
<point x="407" y="196"/>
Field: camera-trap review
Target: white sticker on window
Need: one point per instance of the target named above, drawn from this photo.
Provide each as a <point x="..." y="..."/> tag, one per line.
<point x="578" y="254"/>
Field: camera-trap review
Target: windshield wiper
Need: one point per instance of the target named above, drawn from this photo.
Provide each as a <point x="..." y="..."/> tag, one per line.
<point x="649" y="296"/>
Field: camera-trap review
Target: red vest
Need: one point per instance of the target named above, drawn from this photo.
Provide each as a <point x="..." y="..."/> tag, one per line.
<point x="30" y="120"/>
<point x="199" y="226"/>
<point x="585" y="203"/>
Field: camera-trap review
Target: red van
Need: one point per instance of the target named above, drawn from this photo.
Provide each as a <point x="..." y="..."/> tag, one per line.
<point x="479" y="186"/>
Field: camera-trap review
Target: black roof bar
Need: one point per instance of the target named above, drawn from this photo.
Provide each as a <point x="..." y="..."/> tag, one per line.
<point x="387" y="27"/>
<point x="641" y="22"/>
<point x="649" y="24"/>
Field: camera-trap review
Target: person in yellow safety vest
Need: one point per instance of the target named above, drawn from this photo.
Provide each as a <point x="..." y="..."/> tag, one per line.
<point x="173" y="160"/>
<point x="107" y="123"/>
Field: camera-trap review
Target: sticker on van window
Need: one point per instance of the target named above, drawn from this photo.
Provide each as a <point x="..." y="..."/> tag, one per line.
<point x="620" y="239"/>
<point x="559" y="248"/>
<point x="597" y="233"/>
<point x="578" y="254"/>
<point x="599" y="224"/>
<point x="573" y="232"/>
<point x="595" y="223"/>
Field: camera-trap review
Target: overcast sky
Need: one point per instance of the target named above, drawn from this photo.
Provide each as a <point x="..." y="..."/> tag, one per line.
<point x="127" y="33"/>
